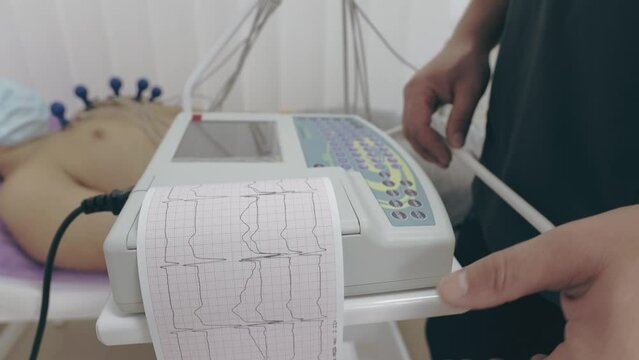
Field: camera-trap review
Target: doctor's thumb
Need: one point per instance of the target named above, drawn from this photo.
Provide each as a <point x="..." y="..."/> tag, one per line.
<point x="503" y="276"/>
<point x="488" y="282"/>
<point x="555" y="260"/>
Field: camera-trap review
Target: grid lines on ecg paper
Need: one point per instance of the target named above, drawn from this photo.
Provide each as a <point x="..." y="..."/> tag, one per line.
<point x="243" y="271"/>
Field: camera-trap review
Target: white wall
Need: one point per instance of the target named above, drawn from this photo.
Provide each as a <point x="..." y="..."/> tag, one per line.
<point x="52" y="45"/>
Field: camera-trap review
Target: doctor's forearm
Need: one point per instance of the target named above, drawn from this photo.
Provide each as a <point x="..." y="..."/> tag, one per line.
<point x="481" y="25"/>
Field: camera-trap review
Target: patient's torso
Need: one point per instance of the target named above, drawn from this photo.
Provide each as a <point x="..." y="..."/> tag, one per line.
<point x="105" y="149"/>
<point x="102" y="154"/>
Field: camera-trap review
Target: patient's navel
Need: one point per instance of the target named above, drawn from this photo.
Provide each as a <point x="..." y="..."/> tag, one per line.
<point x="98" y="134"/>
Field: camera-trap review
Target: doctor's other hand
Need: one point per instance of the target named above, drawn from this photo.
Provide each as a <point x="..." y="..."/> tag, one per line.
<point x="593" y="262"/>
<point x="458" y="75"/>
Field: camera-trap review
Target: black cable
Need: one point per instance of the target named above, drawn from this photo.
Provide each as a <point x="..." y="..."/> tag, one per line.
<point x="113" y="202"/>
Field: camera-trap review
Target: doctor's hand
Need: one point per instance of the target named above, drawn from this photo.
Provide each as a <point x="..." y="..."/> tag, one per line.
<point x="458" y="75"/>
<point x="594" y="262"/>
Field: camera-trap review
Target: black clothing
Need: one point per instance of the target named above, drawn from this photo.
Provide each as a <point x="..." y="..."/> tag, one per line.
<point x="562" y="132"/>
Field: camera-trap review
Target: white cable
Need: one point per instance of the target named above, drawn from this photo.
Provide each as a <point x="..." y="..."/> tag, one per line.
<point x="211" y="55"/>
<point x="345" y="57"/>
<point x="175" y="99"/>
<point x="356" y="62"/>
<point x="265" y="10"/>
<point x="364" y="66"/>
<point x="394" y="130"/>
<point x="521" y="206"/>
<point x="223" y="62"/>
<point x="246" y="48"/>
<point x="383" y="39"/>
<point x="361" y="84"/>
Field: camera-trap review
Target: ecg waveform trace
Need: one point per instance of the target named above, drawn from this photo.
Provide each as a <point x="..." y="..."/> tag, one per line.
<point x="242" y="271"/>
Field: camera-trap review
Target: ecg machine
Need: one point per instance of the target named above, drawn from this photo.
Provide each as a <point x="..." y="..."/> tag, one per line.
<point x="396" y="233"/>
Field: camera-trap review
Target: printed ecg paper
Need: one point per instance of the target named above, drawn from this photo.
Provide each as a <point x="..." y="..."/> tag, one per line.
<point x="243" y="270"/>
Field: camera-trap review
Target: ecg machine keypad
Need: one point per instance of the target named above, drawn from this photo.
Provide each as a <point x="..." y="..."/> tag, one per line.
<point x="353" y="145"/>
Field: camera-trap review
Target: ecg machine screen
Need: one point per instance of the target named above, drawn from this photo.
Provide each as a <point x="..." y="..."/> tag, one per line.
<point x="229" y="141"/>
